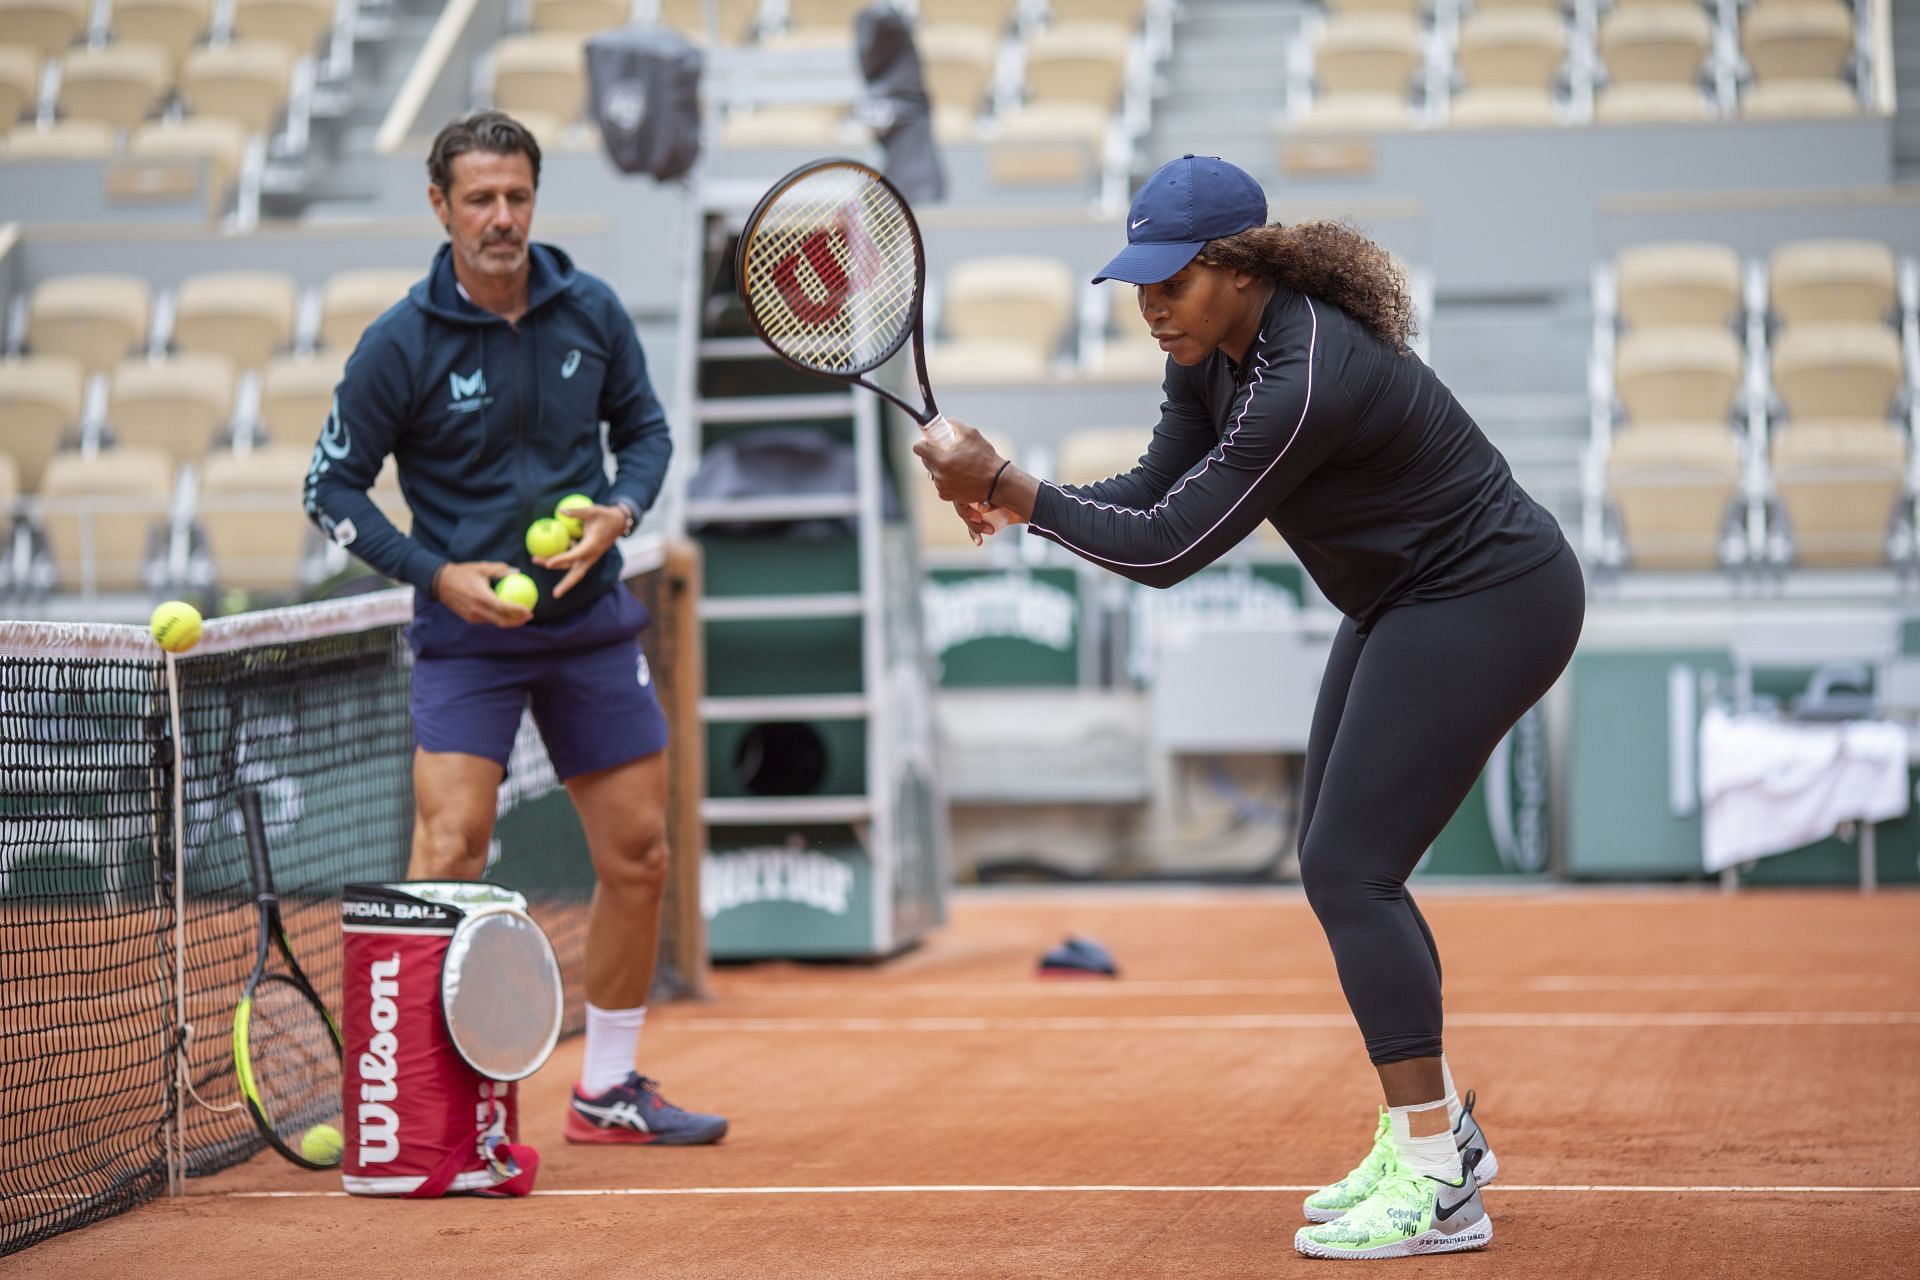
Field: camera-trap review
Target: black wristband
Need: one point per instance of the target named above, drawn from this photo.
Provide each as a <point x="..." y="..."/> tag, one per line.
<point x="996" y="480"/>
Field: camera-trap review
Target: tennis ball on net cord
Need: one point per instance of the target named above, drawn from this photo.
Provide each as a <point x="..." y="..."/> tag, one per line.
<point x="175" y="626"/>
<point x="517" y="588"/>
<point x="322" y="1144"/>
<point x="547" y="537"/>
<point x="574" y="526"/>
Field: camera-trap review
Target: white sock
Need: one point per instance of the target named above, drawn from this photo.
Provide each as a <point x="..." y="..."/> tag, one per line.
<point x="1453" y="1097"/>
<point x="1434" y="1156"/>
<point x="613" y="1037"/>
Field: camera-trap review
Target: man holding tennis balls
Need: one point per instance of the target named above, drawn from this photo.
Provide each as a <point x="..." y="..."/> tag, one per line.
<point x="488" y="384"/>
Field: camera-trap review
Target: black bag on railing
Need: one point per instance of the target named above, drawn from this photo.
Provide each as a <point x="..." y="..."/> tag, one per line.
<point x="644" y="90"/>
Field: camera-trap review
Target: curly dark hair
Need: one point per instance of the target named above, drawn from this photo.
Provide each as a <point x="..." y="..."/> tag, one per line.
<point x="1330" y="261"/>
<point x="494" y="132"/>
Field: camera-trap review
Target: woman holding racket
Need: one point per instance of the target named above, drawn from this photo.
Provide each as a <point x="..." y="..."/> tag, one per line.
<point x="1291" y="397"/>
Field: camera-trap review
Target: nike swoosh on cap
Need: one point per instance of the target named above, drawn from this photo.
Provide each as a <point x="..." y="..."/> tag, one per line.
<point x="1131" y="226"/>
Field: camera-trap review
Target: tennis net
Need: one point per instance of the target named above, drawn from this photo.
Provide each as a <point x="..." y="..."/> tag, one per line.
<point x="122" y="952"/>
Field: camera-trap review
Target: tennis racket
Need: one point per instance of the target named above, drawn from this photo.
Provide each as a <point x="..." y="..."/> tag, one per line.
<point x="286" y="1046"/>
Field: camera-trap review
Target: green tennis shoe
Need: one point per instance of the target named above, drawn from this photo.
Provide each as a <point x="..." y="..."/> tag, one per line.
<point x="1408" y="1214"/>
<point x="1329" y="1202"/>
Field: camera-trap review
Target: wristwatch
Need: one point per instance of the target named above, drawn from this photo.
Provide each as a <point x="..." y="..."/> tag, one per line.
<point x="633" y="514"/>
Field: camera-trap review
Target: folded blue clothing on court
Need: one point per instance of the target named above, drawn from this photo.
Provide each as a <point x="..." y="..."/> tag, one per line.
<point x="1078" y="957"/>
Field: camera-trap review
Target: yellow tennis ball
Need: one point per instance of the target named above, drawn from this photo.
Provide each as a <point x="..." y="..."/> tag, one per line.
<point x="547" y="537"/>
<point x="175" y="626"/>
<point x="574" y="526"/>
<point x="517" y="588"/>
<point x="322" y="1144"/>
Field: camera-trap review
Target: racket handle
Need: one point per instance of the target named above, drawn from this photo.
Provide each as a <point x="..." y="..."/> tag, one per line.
<point x="941" y="432"/>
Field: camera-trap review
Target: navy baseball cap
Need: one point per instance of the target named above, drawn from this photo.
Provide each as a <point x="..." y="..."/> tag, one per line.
<point x="1186" y="203"/>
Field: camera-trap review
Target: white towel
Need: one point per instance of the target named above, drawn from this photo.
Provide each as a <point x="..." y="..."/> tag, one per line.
<point x="1768" y="785"/>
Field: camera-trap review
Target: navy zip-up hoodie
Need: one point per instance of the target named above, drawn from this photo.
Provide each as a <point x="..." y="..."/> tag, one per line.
<point x="490" y="424"/>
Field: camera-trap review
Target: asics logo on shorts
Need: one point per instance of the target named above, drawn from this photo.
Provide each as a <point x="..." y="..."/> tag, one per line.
<point x="642" y="672"/>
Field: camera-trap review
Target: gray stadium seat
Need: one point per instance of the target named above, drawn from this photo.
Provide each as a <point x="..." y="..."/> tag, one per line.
<point x="1838" y="484"/>
<point x="97" y="319"/>
<point x="40" y="399"/>
<point x="175" y="405"/>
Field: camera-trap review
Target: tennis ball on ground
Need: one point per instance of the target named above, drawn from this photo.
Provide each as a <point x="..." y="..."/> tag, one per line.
<point x="517" y="588"/>
<point x="322" y="1144"/>
<point x="574" y="526"/>
<point x="175" y="626"/>
<point x="547" y="537"/>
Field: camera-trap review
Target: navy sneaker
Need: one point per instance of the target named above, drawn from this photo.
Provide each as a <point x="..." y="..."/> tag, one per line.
<point x="634" y="1111"/>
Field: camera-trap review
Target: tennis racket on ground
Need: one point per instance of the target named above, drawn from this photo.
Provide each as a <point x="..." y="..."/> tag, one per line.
<point x="286" y="1046"/>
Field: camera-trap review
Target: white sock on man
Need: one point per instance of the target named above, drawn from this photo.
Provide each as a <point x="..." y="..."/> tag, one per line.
<point x="1434" y="1155"/>
<point x="613" y="1039"/>
<point x="1453" y="1097"/>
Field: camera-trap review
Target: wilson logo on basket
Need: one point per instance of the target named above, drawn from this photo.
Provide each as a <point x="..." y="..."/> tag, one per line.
<point x="379" y="1126"/>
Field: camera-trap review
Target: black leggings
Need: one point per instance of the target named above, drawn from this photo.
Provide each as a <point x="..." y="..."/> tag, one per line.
<point x="1407" y="716"/>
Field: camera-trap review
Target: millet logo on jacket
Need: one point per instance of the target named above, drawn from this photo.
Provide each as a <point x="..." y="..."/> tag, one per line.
<point x="470" y="392"/>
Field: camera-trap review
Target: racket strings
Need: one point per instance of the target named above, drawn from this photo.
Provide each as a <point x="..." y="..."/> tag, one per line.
<point x="295" y="1059"/>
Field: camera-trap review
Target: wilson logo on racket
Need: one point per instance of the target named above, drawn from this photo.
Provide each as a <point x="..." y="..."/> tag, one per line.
<point x="380" y="1066"/>
<point x="840" y="265"/>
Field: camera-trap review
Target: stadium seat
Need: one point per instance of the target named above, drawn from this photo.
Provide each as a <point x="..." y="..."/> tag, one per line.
<point x="173" y="25"/>
<point x="545" y="73"/>
<point x="245" y="316"/>
<point x="1799" y="100"/>
<point x="97" y="319"/>
<point x="1406" y="10"/>
<point x="1786" y="40"/>
<point x="116" y="84"/>
<point x="1815" y="280"/>
<point x="62" y="140"/>
<point x="222" y="143"/>
<point x="1837" y="370"/>
<point x="40" y="398"/>
<point x="1650" y="104"/>
<point x="1369" y="53"/>
<point x="958" y="64"/>
<point x="352" y="300"/>
<point x="984" y="361"/>
<point x="1672" y="487"/>
<point x="297" y="25"/>
<point x="1048" y="144"/>
<point x="1536" y="6"/>
<point x="1017" y="299"/>
<point x="1503" y="106"/>
<point x="174" y="405"/>
<point x="583" y="17"/>
<point x="1356" y="111"/>
<point x="1130" y="357"/>
<point x="991" y="14"/>
<point x="103" y="513"/>
<point x="1678" y="283"/>
<point x="1657" y="44"/>
<point x="246" y="81"/>
<point x="1838" y="484"/>
<point x="19" y="81"/>
<point x="786" y="125"/>
<point x="1511" y="49"/>
<point x="1100" y="453"/>
<point x="1675" y="374"/>
<point x="1125" y="12"/>
<point x="688" y="17"/>
<point x="824" y="14"/>
<point x="47" y="25"/>
<point x="1078" y="62"/>
<point x="9" y="500"/>
<point x="296" y="395"/>
<point x="250" y="511"/>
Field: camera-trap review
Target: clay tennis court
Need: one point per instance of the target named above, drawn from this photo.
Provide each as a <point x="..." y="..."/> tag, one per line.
<point x="1676" y="1082"/>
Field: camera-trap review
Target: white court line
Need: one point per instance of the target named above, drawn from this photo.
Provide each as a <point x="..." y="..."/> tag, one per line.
<point x="1499" y="1189"/>
<point x="1028" y="987"/>
<point x="1290" y="1022"/>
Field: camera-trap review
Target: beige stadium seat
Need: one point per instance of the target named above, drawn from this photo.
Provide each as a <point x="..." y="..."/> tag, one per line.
<point x="984" y="361"/>
<point x="1100" y="453"/>
<point x="1658" y="44"/>
<point x="1133" y="357"/>
<point x="47" y="25"/>
<point x="117" y="84"/>
<point x="1674" y="374"/>
<point x="994" y="15"/>
<point x="583" y="17"/>
<point x="541" y="73"/>
<point x="1837" y="370"/>
<point x="823" y="13"/>
<point x="1048" y="144"/>
<point x="1503" y="107"/>
<point x="1651" y="104"/>
<point x="1355" y="112"/>
<point x="96" y="319"/>
<point x="296" y="24"/>
<point x="1814" y="280"/>
<point x="1678" y="283"/>
<point x="101" y="515"/>
<point x="296" y="395"/>
<point x="352" y="300"/>
<point x="222" y="143"/>
<point x="688" y="17"/>
<point x="1672" y="486"/>
<point x="40" y="399"/>
<point x="19" y="81"/>
<point x="9" y="490"/>
<point x="1511" y="49"/>
<point x="786" y="125"/>
<point x="246" y="81"/>
<point x="245" y="316"/>
<point x="1370" y="53"/>
<point x="173" y="25"/>
<point x="250" y="511"/>
<point x="390" y="498"/>
<point x="1017" y="299"/>
<point x="62" y="140"/>
<point x="1797" y="41"/>
<point x="1407" y="10"/>
<point x="1537" y="6"/>
<point x="1078" y="62"/>
<point x="958" y="65"/>
<point x="1125" y="12"/>
<point x="1799" y="100"/>
<point x="174" y="405"/>
<point x="1839" y="483"/>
